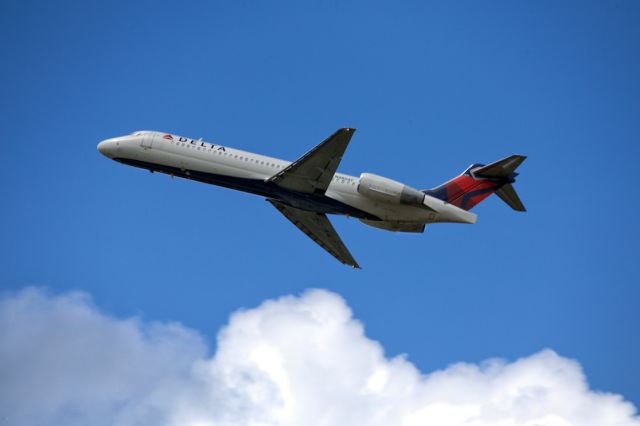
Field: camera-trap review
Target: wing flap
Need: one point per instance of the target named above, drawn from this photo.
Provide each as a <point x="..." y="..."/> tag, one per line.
<point x="317" y="227"/>
<point x="312" y="173"/>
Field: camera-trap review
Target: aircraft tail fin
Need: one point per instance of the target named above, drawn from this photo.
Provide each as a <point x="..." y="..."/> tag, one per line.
<point x="478" y="181"/>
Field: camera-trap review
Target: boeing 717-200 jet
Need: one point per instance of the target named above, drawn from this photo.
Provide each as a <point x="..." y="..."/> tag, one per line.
<point x="308" y="189"/>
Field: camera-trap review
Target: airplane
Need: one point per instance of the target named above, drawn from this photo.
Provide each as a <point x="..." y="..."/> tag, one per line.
<point x="308" y="189"/>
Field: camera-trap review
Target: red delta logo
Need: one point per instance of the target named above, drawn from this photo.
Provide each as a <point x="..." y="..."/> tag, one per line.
<point x="168" y="136"/>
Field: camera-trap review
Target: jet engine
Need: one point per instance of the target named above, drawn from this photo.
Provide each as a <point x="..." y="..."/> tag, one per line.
<point x="395" y="226"/>
<point x="389" y="191"/>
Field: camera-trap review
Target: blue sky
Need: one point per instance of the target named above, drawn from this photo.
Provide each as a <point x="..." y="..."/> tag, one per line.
<point x="430" y="86"/>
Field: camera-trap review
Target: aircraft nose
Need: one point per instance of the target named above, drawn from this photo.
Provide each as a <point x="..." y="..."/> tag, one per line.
<point x="107" y="147"/>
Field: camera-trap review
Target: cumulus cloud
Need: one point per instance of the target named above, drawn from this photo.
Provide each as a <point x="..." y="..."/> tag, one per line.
<point x="291" y="361"/>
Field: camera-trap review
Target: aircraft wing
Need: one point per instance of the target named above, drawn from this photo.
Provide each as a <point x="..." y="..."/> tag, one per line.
<point x="319" y="229"/>
<point x="312" y="173"/>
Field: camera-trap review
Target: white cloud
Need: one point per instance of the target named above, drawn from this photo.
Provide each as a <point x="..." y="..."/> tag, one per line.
<point x="292" y="361"/>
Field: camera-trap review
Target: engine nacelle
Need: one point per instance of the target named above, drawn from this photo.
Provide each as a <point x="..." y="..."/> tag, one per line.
<point x="395" y="226"/>
<point x="388" y="190"/>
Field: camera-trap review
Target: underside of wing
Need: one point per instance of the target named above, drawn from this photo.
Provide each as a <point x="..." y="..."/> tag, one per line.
<point x="312" y="173"/>
<point x="319" y="229"/>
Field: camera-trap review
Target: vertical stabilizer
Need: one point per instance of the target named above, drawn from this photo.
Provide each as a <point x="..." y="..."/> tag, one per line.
<point x="478" y="181"/>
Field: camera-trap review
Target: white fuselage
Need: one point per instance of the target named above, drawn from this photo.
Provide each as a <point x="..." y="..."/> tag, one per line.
<point x="199" y="160"/>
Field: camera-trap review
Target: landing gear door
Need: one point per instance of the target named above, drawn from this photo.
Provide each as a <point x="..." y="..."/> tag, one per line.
<point x="147" y="141"/>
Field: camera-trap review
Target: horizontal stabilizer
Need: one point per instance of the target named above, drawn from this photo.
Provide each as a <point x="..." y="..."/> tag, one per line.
<point x="501" y="169"/>
<point x="509" y="195"/>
